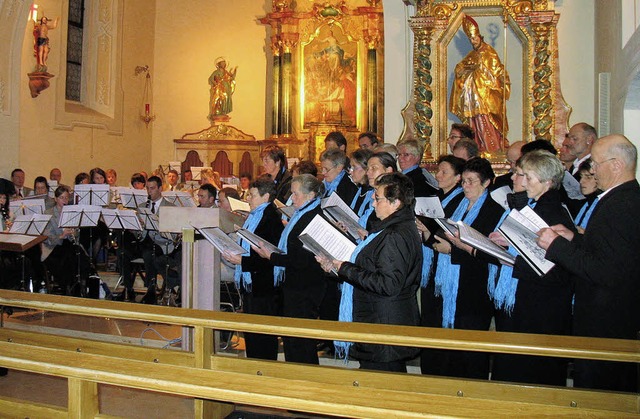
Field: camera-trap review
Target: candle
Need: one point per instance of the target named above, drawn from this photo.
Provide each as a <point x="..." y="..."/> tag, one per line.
<point x="146" y="108"/>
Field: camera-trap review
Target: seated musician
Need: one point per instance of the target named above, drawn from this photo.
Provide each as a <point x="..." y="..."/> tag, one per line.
<point x="159" y="251"/>
<point x="60" y="252"/>
<point x="207" y="196"/>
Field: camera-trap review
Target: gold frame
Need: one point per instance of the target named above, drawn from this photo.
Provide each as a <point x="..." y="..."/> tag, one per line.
<point x="532" y="23"/>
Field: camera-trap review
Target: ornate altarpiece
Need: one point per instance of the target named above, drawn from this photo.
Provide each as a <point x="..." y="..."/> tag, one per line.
<point x="533" y="23"/>
<point x="326" y="72"/>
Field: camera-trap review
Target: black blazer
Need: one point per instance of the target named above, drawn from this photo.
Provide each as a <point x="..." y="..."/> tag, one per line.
<point x="420" y="185"/>
<point x="604" y="264"/>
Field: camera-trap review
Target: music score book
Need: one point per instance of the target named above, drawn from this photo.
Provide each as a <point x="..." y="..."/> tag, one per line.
<point x="286" y="210"/>
<point x="321" y="238"/>
<point x="221" y="241"/>
<point x="255" y="240"/>
<point x="429" y="206"/>
<point x="239" y="206"/>
<point x="520" y="229"/>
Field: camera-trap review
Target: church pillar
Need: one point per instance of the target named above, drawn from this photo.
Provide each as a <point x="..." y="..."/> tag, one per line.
<point x="423" y="28"/>
<point x="543" y="24"/>
<point x="276" y="91"/>
<point x="286" y="123"/>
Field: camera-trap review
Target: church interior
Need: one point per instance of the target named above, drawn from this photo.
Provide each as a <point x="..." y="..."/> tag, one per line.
<point x="137" y="94"/>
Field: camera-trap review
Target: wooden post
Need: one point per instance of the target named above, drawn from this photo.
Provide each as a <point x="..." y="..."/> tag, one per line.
<point x="83" y="398"/>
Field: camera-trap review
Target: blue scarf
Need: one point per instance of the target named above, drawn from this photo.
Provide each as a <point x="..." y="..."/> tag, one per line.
<point x="427" y="252"/>
<point x="503" y="292"/>
<point x="330" y="187"/>
<point x="405" y="171"/>
<point x="365" y="213"/>
<point x="366" y="202"/>
<point x="448" y="274"/>
<point x="582" y="219"/>
<point x="457" y="191"/>
<point x="251" y="223"/>
<point x="346" y="301"/>
<point x="278" y="271"/>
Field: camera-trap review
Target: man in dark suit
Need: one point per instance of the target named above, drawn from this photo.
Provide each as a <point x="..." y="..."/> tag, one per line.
<point x="409" y="156"/>
<point x="17" y="177"/>
<point x="603" y="263"/>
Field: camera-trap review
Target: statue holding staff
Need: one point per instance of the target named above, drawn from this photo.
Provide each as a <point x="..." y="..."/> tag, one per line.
<point x="480" y="89"/>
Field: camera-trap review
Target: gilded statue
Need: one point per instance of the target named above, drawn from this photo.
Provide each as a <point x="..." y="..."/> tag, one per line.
<point x="480" y="89"/>
<point x="41" y="41"/>
<point x="223" y="84"/>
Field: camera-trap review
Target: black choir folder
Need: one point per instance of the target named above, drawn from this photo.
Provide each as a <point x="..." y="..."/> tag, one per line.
<point x="341" y="215"/>
<point x="321" y="238"/>
<point x="477" y="240"/>
<point x="520" y="228"/>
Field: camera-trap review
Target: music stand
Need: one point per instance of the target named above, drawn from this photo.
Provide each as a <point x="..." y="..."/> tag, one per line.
<point x="92" y="194"/>
<point x="196" y="172"/>
<point x="132" y="198"/>
<point x="27" y="226"/>
<point x="53" y="185"/>
<point x="27" y="206"/>
<point x="179" y="198"/>
<point x="121" y="220"/>
<point x="78" y="216"/>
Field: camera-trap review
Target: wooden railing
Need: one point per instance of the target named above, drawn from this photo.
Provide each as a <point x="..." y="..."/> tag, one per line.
<point x="218" y="382"/>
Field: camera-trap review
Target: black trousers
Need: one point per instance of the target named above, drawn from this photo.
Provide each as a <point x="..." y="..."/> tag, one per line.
<point x="258" y="345"/>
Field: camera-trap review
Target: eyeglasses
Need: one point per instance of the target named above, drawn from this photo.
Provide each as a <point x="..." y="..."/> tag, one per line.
<point x="456" y="136"/>
<point x="379" y="198"/>
<point x="595" y="164"/>
<point x="469" y="181"/>
<point x="403" y="155"/>
<point x="325" y="170"/>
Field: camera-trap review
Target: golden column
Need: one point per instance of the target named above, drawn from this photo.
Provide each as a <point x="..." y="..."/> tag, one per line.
<point x="543" y="24"/>
<point x="423" y="28"/>
<point x="276" y="90"/>
<point x="372" y="37"/>
<point x="289" y="42"/>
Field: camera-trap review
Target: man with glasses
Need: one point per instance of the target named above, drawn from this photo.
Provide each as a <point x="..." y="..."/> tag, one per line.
<point x="603" y="263"/>
<point x="580" y="139"/>
<point x="458" y="132"/>
<point x="409" y="156"/>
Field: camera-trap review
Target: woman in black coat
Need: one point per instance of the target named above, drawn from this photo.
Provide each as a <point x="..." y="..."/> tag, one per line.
<point x="254" y="275"/>
<point x="301" y="279"/>
<point x="383" y="276"/>
<point x="461" y="274"/>
<point x="527" y="302"/>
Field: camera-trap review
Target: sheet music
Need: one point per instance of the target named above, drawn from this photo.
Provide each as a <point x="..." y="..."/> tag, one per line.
<point x="132" y="198"/>
<point x="520" y="231"/>
<point x="53" y="185"/>
<point x="175" y="165"/>
<point x="474" y="238"/>
<point x="91" y="194"/>
<point x="221" y="241"/>
<point x="256" y="240"/>
<point x="238" y="205"/>
<point x="75" y="216"/>
<point x="149" y="219"/>
<point x="286" y="210"/>
<point x="341" y="217"/>
<point x="500" y="196"/>
<point x="179" y="198"/>
<point x="196" y="172"/>
<point x="123" y="219"/>
<point x="447" y="225"/>
<point x="33" y="224"/>
<point x="329" y="238"/>
<point x="429" y="206"/>
<point x="572" y="186"/>
<point x="27" y="206"/>
<point x="335" y="200"/>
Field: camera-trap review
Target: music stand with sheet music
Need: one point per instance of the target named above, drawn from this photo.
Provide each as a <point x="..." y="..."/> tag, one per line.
<point x="179" y="198"/>
<point x="122" y="220"/>
<point x="79" y="216"/>
<point x="196" y="172"/>
<point x="132" y="198"/>
<point x="28" y="227"/>
<point x="91" y="194"/>
<point x="27" y="206"/>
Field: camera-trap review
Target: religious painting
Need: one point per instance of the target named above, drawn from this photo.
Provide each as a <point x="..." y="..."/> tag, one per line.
<point x="485" y="83"/>
<point x="330" y="78"/>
